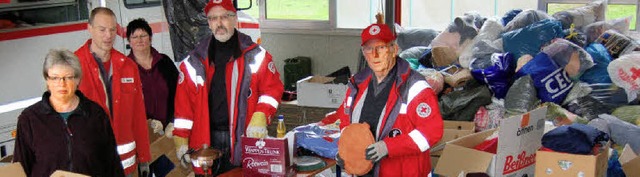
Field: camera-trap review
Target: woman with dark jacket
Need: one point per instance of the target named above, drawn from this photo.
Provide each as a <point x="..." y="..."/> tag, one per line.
<point x="65" y="130"/>
<point x="158" y="74"/>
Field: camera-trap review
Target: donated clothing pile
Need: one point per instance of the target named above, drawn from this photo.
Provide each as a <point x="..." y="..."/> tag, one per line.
<point x="584" y="68"/>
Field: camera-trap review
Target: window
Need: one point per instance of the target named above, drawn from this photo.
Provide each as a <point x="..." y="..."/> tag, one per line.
<point x="132" y="4"/>
<point x="295" y="14"/>
<point x="615" y="8"/>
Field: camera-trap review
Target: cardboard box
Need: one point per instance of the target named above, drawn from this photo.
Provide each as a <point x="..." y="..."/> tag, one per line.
<point x="13" y="170"/>
<point x="519" y="139"/>
<point x="452" y="130"/>
<point x="62" y="173"/>
<point x="165" y="146"/>
<point x="558" y="164"/>
<point x="318" y="91"/>
<point x="265" y="156"/>
<point x="630" y="161"/>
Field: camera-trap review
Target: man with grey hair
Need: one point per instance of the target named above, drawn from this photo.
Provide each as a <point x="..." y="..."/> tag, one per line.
<point x="112" y="80"/>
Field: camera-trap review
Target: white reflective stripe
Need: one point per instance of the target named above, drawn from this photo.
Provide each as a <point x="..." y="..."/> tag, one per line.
<point x="126" y="148"/>
<point x="269" y="100"/>
<point x="258" y="60"/>
<point x="18" y="104"/>
<point x="420" y="140"/>
<point x="349" y="99"/>
<point x="403" y="108"/>
<point x="191" y="71"/>
<point x="182" y="123"/>
<point x="417" y="88"/>
<point x="429" y="174"/>
<point x="126" y="163"/>
<point x="234" y="86"/>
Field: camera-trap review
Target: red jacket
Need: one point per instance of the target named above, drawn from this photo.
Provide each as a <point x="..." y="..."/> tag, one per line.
<point x="255" y="85"/>
<point x="411" y="123"/>
<point x="129" y="118"/>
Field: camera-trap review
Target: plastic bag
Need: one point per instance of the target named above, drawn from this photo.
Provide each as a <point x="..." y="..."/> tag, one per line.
<point x="434" y="78"/>
<point x="572" y="57"/>
<point x="551" y="81"/>
<point x="601" y="59"/>
<point x="579" y="90"/>
<point x="582" y="16"/>
<point x="459" y="33"/>
<point x="413" y="52"/>
<point x="621" y="132"/>
<point x="617" y="44"/>
<point x="489" y="116"/>
<point x="588" y="107"/>
<point x="629" y="114"/>
<point x="576" y="37"/>
<point x="498" y="76"/>
<point x="509" y="16"/>
<point x="593" y="30"/>
<point x="462" y="105"/>
<point x="560" y="116"/>
<point x="529" y="39"/>
<point x="525" y="18"/>
<point x="322" y="140"/>
<point x="411" y="37"/>
<point x="490" y="31"/>
<point x="625" y="73"/>
<point x="521" y="97"/>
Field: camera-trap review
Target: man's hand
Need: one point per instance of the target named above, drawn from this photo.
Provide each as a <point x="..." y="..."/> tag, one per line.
<point x="168" y="131"/>
<point x="182" y="146"/>
<point x="257" y="126"/>
<point x="156" y="125"/>
<point x="376" y="151"/>
<point x="144" y="169"/>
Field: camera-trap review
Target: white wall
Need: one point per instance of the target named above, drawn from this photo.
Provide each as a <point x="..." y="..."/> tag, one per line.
<point x="328" y="52"/>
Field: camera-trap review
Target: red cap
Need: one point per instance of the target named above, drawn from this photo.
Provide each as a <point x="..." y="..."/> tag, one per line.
<point x="377" y="31"/>
<point x="226" y="4"/>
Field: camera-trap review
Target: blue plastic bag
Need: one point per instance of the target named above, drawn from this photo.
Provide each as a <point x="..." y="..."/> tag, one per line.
<point x="531" y="38"/>
<point x="320" y="140"/>
<point x="550" y="80"/>
<point x="598" y="73"/>
<point x="498" y="76"/>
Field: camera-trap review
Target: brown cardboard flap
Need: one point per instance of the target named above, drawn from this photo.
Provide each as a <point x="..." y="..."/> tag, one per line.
<point x="459" y="125"/>
<point x="456" y="159"/>
<point x="61" y="173"/>
<point x="161" y="146"/>
<point x="321" y="79"/>
<point x="13" y="170"/>
<point x="557" y="164"/>
<point x="630" y="161"/>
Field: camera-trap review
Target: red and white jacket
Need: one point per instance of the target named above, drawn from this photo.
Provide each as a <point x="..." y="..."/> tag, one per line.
<point x="129" y="116"/>
<point x="253" y="84"/>
<point x="411" y="123"/>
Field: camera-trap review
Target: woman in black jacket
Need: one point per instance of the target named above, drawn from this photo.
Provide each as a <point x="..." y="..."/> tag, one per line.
<point x="65" y="130"/>
<point x="158" y="74"/>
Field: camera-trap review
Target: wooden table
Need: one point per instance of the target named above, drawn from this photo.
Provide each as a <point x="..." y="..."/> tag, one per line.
<point x="237" y="172"/>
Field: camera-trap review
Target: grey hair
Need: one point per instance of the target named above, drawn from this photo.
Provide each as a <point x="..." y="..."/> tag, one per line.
<point x="62" y="57"/>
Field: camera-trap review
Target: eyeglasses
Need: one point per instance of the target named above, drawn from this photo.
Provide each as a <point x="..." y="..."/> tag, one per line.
<point x="379" y="49"/>
<point x="63" y="79"/>
<point x="144" y="36"/>
<point x="224" y="17"/>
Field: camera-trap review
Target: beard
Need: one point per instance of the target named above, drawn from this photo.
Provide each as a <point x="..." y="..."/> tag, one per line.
<point x="223" y="37"/>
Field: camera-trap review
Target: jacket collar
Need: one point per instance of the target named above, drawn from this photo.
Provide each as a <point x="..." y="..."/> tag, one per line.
<point x="46" y="107"/>
<point x="245" y="42"/>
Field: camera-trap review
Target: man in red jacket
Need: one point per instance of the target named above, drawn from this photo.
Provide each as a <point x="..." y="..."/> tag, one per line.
<point x="398" y="104"/>
<point x="112" y="80"/>
<point x="228" y="86"/>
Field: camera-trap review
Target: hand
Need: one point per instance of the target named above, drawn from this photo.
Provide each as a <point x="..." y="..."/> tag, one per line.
<point x="168" y="131"/>
<point x="156" y="125"/>
<point x="144" y="169"/>
<point x="339" y="161"/>
<point x="181" y="149"/>
<point x="257" y="126"/>
<point x="376" y="151"/>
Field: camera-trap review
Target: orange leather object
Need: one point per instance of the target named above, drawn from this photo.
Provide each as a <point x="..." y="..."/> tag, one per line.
<point x="353" y="142"/>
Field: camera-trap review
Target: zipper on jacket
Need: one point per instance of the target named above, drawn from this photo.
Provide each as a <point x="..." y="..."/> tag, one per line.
<point x="69" y="136"/>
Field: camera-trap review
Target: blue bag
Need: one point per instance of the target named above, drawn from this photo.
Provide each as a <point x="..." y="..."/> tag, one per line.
<point x="320" y="140"/>
<point x="598" y="73"/>
<point x="531" y="38"/>
<point x="551" y="81"/>
<point x="498" y="76"/>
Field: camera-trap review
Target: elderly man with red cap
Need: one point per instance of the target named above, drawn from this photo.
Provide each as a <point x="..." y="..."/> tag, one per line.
<point x="228" y="86"/>
<point x="398" y="104"/>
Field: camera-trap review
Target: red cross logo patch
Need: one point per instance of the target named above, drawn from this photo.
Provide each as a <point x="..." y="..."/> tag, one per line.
<point x="374" y="30"/>
<point x="423" y="110"/>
